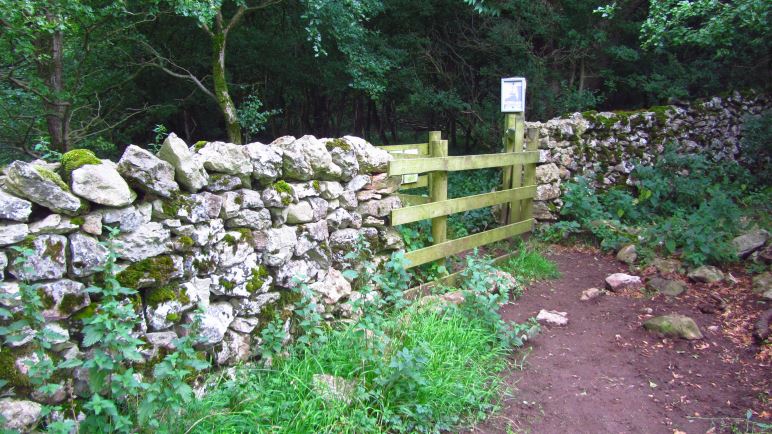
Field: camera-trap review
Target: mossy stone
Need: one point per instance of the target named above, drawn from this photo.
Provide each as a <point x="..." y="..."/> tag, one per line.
<point x="77" y="158"/>
<point x="158" y="268"/>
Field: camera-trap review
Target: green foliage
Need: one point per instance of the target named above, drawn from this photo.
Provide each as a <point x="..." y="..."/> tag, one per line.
<point x="684" y="205"/>
<point x="529" y="265"/>
<point x="251" y="116"/>
<point x="119" y="399"/>
<point x="756" y="145"/>
<point x="400" y="366"/>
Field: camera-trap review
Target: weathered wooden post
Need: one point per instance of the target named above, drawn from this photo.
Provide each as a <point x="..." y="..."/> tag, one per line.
<point x="513" y="105"/>
<point x="438" y="186"/>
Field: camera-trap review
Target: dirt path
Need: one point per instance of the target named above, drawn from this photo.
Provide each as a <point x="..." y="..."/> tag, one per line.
<point x="602" y="373"/>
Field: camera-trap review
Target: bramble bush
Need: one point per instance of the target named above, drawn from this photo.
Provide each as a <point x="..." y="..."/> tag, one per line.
<point x="685" y="205"/>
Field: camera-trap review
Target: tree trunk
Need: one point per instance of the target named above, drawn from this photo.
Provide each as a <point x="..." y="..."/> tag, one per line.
<point x="227" y="107"/>
<point x="50" y="67"/>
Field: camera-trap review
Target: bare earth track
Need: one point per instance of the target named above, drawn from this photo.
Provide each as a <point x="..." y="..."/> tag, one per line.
<point x="602" y="373"/>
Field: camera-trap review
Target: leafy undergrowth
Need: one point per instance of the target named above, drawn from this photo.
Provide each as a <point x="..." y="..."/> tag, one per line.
<point x="400" y="366"/>
<point x="685" y="205"/>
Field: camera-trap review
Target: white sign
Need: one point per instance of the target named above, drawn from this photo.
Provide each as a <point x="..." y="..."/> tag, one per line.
<point x="409" y="178"/>
<point x="512" y="95"/>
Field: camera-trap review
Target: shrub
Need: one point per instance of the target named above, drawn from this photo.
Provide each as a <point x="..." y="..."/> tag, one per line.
<point x="684" y="205"/>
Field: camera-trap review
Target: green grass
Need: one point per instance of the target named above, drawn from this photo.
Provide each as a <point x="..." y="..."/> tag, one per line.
<point x="430" y="370"/>
<point x="529" y="265"/>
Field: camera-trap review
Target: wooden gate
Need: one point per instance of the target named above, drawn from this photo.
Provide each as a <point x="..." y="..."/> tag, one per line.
<point x="518" y="189"/>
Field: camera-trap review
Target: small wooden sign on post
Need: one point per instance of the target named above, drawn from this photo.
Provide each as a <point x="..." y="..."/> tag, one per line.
<point x="513" y="105"/>
<point x="513" y="95"/>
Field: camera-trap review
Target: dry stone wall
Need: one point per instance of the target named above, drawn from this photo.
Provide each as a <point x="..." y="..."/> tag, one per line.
<point x="224" y="226"/>
<point x="606" y="146"/>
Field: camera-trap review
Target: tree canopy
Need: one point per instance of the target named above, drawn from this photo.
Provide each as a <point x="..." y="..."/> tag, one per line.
<point x="105" y="73"/>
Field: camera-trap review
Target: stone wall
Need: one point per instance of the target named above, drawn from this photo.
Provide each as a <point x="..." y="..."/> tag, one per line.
<point x="606" y="146"/>
<point x="225" y="226"/>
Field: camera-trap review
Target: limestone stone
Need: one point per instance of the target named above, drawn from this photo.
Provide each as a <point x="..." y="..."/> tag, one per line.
<point x="101" y="184"/>
<point x="346" y="159"/>
<point x="251" y="307"/>
<point x="147" y="172"/>
<point x="668" y="287"/>
<point x="48" y="260"/>
<point x="332" y="288"/>
<point x="618" y="281"/>
<point x="12" y="233"/>
<point x="547" y="173"/>
<point x="278" y="244"/>
<point x="706" y="274"/>
<point x="591" y="294"/>
<point x="552" y="317"/>
<point x="220" y="182"/>
<point x="627" y="254"/>
<point x="379" y="208"/>
<point x="150" y="239"/>
<point x="244" y="324"/>
<point x="266" y="162"/>
<point x="41" y="186"/>
<point x="547" y="192"/>
<point x="129" y="219"/>
<point x="53" y="224"/>
<point x="330" y="189"/>
<point x="235" y="348"/>
<point x="248" y="218"/>
<point x="14" y="208"/>
<point x="674" y="325"/>
<point x="189" y="171"/>
<point x="3" y="264"/>
<point x="300" y="212"/>
<point x="20" y="414"/>
<point x="762" y="283"/>
<point x="370" y="158"/>
<point x="748" y="243"/>
<point x="66" y="297"/>
<point x="86" y="255"/>
<point x="214" y="322"/>
<point x="666" y="265"/>
<point x="226" y="158"/>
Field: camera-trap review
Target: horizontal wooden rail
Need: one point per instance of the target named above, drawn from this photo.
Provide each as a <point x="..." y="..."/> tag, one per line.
<point x="466" y="162"/>
<point x="413" y="199"/>
<point x="451" y="206"/>
<point x="439" y="251"/>
<point x="423" y="148"/>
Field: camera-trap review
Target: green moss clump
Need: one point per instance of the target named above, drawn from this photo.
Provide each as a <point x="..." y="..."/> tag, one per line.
<point x="230" y="240"/>
<point x="199" y="145"/>
<point x="257" y="280"/>
<point x="54" y="251"/>
<point x="185" y="241"/>
<point x="204" y="266"/>
<point x="239" y="200"/>
<point x="661" y="113"/>
<point x="283" y="187"/>
<point x="171" y="207"/>
<point x="227" y="284"/>
<point x="8" y="371"/>
<point x="77" y="220"/>
<point x="47" y="300"/>
<point x="337" y="143"/>
<point x="173" y="317"/>
<point x="51" y="176"/>
<point x="315" y="183"/>
<point x="156" y="296"/>
<point x="70" y="302"/>
<point x="77" y="158"/>
<point x="158" y="268"/>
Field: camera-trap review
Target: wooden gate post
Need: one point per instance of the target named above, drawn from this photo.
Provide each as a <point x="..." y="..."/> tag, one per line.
<point x="514" y="125"/>
<point x="529" y="178"/>
<point x="438" y="186"/>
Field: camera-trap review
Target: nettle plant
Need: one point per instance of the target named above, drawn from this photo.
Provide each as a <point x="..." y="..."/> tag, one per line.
<point x="119" y="398"/>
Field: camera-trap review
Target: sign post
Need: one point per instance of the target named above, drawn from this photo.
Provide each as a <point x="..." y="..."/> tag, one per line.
<point x="513" y="106"/>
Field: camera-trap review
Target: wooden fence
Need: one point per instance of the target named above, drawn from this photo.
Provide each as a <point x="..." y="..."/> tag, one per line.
<point x="413" y="161"/>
